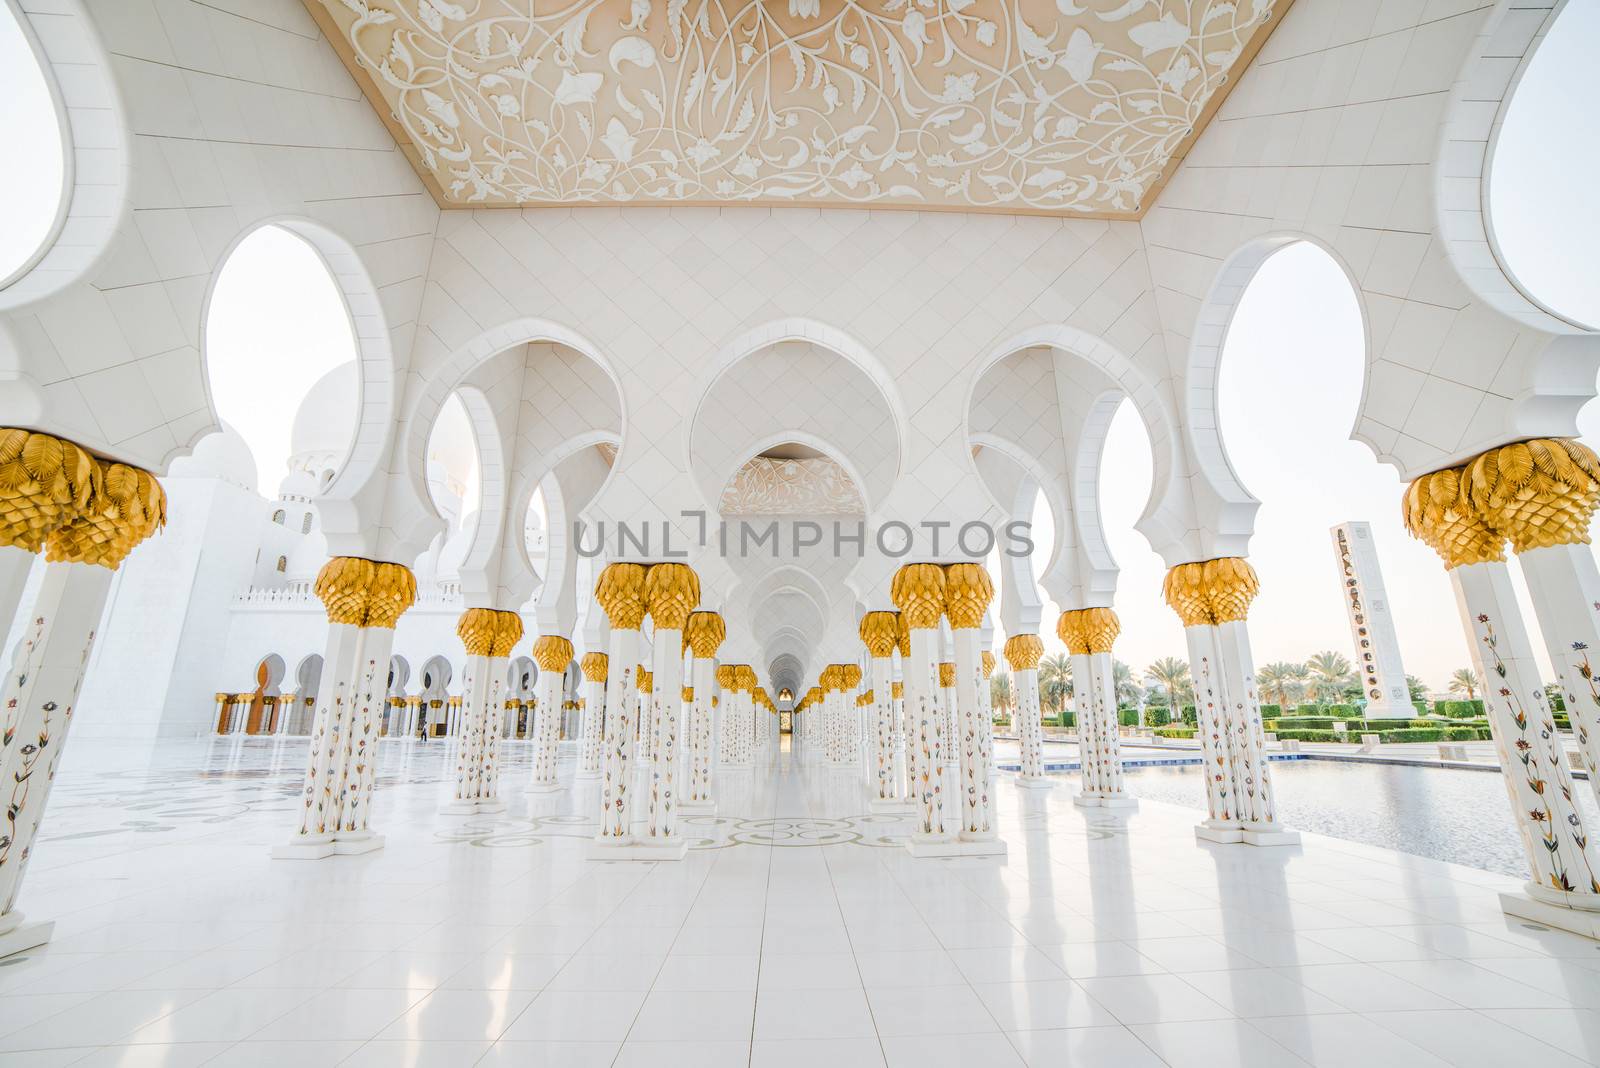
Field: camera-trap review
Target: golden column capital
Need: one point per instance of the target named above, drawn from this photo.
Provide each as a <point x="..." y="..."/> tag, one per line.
<point x="1437" y="512"/>
<point x="1023" y="651"/>
<point x="595" y="666"/>
<point x="365" y="593"/>
<point x="726" y="677"/>
<point x="1088" y="630"/>
<point x="898" y="691"/>
<point x="988" y="664"/>
<point x="902" y="640"/>
<point x="1209" y="592"/>
<point x="967" y="593"/>
<point x="487" y="632"/>
<point x="45" y="482"/>
<point x="852" y="675"/>
<point x="704" y="632"/>
<point x="646" y="680"/>
<point x="813" y="695"/>
<point x="746" y="676"/>
<point x="671" y="592"/>
<point x="688" y="694"/>
<point x="918" y="592"/>
<point x="127" y="505"/>
<point x="880" y="631"/>
<point x="947" y="675"/>
<point x="620" y="593"/>
<point x="1537" y="493"/>
<point x="868" y="697"/>
<point x="552" y="652"/>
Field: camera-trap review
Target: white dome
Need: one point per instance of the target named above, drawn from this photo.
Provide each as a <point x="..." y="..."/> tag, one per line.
<point x="223" y="455"/>
<point x="326" y="420"/>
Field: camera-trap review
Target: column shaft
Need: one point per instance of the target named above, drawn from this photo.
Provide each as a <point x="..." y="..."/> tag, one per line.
<point x="1030" y="731"/>
<point x="702" y="770"/>
<point x="975" y="816"/>
<point x="546" y="730"/>
<point x="922" y="705"/>
<point x="1210" y="705"/>
<point x="1564" y="585"/>
<point x="469" y="747"/>
<point x="883" y="727"/>
<point x="622" y="701"/>
<point x="667" y="703"/>
<point x="1555" y="839"/>
<point x="38" y="692"/>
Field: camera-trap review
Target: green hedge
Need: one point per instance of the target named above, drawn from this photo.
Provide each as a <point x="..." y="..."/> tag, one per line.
<point x="1189" y="716"/>
<point x="1128" y="717"/>
<point x="1157" y="717"/>
<point x="1459" y="709"/>
<point x="1272" y="711"/>
<point x="1175" y="732"/>
<point x="1367" y="726"/>
<point x="1343" y="711"/>
<point x="1402" y="734"/>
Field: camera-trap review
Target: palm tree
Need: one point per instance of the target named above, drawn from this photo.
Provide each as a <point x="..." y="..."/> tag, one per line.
<point x="1000" y="691"/>
<point x="1129" y="690"/>
<point x="1172" y="675"/>
<point x="1330" y="673"/>
<point x="1281" y="682"/>
<point x="1416" y="687"/>
<point x="1465" y="680"/>
<point x="1055" y="681"/>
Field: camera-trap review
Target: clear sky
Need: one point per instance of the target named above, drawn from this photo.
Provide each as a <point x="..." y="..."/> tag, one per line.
<point x="1291" y="371"/>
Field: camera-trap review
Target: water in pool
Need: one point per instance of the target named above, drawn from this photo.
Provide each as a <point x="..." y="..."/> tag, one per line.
<point x="1458" y="816"/>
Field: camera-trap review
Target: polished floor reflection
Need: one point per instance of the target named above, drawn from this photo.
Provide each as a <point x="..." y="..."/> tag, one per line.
<point x="795" y="933"/>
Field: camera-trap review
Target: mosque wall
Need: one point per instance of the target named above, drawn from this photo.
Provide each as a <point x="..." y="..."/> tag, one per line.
<point x="1365" y="126"/>
<point x="217" y="118"/>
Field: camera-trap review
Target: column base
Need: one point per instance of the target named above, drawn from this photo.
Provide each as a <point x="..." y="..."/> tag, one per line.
<point x="25" y="936"/>
<point x="639" y="848"/>
<point x="367" y="842"/>
<point x="1268" y="834"/>
<point x="889" y="806"/>
<point x="951" y="846"/>
<point x="1035" y="782"/>
<point x="1579" y="918"/>
<point x="697" y="807"/>
<point x="1223" y="832"/>
<point x="1105" y="801"/>
<point x="586" y="776"/>
<point x="544" y="788"/>
<point x="304" y="849"/>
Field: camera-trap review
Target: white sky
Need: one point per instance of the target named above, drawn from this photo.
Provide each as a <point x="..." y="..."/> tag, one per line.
<point x="30" y="196"/>
<point x="1291" y="372"/>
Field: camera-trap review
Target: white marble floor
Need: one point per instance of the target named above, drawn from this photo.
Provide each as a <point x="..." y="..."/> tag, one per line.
<point x="796" y="933"/>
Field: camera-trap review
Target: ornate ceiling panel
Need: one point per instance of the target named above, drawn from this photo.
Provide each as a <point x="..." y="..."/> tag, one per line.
<point x="1013" y="105"/>
<point x="767" y="486"/>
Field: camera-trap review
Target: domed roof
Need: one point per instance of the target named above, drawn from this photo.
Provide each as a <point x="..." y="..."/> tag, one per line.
<point x="223" y="455"/>
<point x="326" y="420"/>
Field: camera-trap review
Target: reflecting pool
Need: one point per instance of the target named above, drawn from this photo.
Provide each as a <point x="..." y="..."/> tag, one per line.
<point x="1458" y="816"/>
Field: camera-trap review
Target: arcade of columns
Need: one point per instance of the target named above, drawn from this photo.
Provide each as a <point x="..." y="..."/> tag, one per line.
<point x="928" y="732"/>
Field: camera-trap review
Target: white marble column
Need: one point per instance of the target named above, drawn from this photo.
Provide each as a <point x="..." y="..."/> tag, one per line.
<point x="552" y="653"/>
<point x="986" y="715"/>
<point x="1212" y="598"/>
<point x="672" y="591"/>
<point x="1089" y="634"/>
<point x="594" y="715"/>
<point x="704" y="632"/>
<point x="620" y="593"/>
<point x="38" y="692"/>
<point x="1564" y="585"/>
<point x="918" y="592"/>
<point x="488" y="637"/>
<point x="1023" y="652"/>
<point x="364" y="599"/>
<point x="968" y="591"/>
<point x="879" y="632"/>
<point x="727" y="677"/>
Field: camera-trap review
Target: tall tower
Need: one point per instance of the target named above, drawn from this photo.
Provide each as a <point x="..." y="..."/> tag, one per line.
<point x="1383" y="676"/>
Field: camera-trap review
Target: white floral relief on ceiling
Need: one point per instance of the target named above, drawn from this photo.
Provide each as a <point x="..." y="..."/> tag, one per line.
<point x="1040" y="105"/>
<point x="769" y="486"/>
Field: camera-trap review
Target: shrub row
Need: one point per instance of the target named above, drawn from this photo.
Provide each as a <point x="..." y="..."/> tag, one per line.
<point x="1402" y="734"/>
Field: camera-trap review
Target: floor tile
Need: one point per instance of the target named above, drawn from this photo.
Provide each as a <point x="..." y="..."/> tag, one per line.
<point x="1140" y="999"/>
<point x="1342" y="1042"/>
<point x="695" y="1015"/>
<point x="1084" y="1047"/>
<point x="933" y="1010"/>
<point x="576" y="1016"/>
<point x="341" y="1015"/>
<point x="950" y="1051"/>
<point x="829" y="1014"/>
<point x="459" y="1016"/>
<point x="809" y="1053"/>
<point x="1209" y="1043"/>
